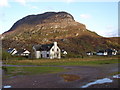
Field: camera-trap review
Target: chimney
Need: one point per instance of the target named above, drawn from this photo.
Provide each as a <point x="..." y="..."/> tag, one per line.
<point x="55" y="43"/>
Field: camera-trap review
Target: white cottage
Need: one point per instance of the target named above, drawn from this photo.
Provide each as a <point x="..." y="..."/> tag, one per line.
<point x="114" y="52"/>
<point x="107" y="52"/>
<point x="102" y="53"/>
<point x="12" y="51"/>
<point x="23" y="52"/>
<point x="89" y="53"/>
<point x="50" y="51"/>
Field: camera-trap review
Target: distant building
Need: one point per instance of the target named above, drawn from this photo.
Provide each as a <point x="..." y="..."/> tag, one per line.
<point x="102" y="53"/>
<point x="112" y="52"/>
<point x="89" y="53"/>
<point x="50" y="51"/>
<point x="23" y="52"/>
<point x="107" y="52"/>
<point x="12" y="51"/>
<point x="64" y="52"/>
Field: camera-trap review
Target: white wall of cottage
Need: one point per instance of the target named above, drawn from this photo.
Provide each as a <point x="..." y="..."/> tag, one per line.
<point x="37" y="54"/>
<point x="44" y="54"/>
<point x="14" y="51"/>
<point x="105" y="53"/>
<point x="114" y="53"/>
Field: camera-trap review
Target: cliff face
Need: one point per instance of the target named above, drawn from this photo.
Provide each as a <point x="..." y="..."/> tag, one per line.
<point x="45" y="18"/>
<point x="53" y="26"/>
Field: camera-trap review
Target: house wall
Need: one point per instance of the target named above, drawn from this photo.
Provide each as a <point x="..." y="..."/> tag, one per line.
<point x="26" y="53"/>
<point x="14" y="52"/>
<point x="88" y="54"/>
<point x="114" y="53"/>
<point x="37" y="54"/>
<point x="99" y="53"/>
<point x="105" y="53"/>
<point x="45" y="54"/>
<point x="65" y="52"/>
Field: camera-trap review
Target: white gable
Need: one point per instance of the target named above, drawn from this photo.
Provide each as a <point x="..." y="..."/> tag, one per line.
<point x="26" y="51"/>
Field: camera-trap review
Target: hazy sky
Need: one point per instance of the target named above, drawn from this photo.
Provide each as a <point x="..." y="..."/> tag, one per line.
<point x="101" y="17"/>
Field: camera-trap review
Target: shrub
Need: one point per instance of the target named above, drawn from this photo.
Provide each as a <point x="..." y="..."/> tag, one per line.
<point x="6" y="55"/>
<point x="73" y="55"/>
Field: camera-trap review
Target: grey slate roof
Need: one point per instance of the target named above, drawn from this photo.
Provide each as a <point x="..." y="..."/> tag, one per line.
<point x="10" y="50"/>
<point x="21" y="51"/>
<point x="45" y="47"/>
<point x="106" y="50"/>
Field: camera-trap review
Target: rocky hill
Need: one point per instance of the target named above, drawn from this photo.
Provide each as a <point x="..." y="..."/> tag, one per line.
<point x="55" y="26"/>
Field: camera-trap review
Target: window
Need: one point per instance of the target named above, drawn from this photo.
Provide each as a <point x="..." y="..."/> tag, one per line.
<point x="57" y="49"/>
<point x="47" y="55"/>
<point x="52" y="49"/>
<point x="57" y="55"/>
<point x="41" y="55"/>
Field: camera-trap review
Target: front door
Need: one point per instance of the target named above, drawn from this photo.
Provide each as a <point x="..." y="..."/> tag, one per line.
<point x="41" y="56"/>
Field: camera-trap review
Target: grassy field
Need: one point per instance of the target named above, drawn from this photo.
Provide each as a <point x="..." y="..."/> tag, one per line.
<point x="68" y="61"/>
<point x="14" y="71"/>
<point x="87" y="61"/>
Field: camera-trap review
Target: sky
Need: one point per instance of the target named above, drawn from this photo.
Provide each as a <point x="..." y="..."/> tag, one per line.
<point x="100" y="16"/>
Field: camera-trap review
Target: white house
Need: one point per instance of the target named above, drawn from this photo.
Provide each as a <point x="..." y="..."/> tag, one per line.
<point x="107" y="52"/>
<point x="114" y="52"/>
<point x="102" y="53"/>
<point x="89" y="53"/>
<point x="50" y="51"/>
<point x="23" y="52"/>
<point x="12" y="51"/>
<point x="64" y="52"/>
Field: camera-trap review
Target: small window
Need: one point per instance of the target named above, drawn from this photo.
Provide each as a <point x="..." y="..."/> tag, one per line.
<point x="57" y="55"/>
<point x="47" y="55"/>
<point x="41" y="56"/>
<point x="52" y="49"/>
<point x="57" y="49"/>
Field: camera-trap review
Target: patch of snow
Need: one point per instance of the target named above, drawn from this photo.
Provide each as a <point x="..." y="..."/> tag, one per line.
<point x="116" y="76"/>
<point x="100" y="81"/>
<point x="7" y="86"/>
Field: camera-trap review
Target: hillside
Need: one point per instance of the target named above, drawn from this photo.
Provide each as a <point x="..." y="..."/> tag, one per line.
<point x="55" y="26"/>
